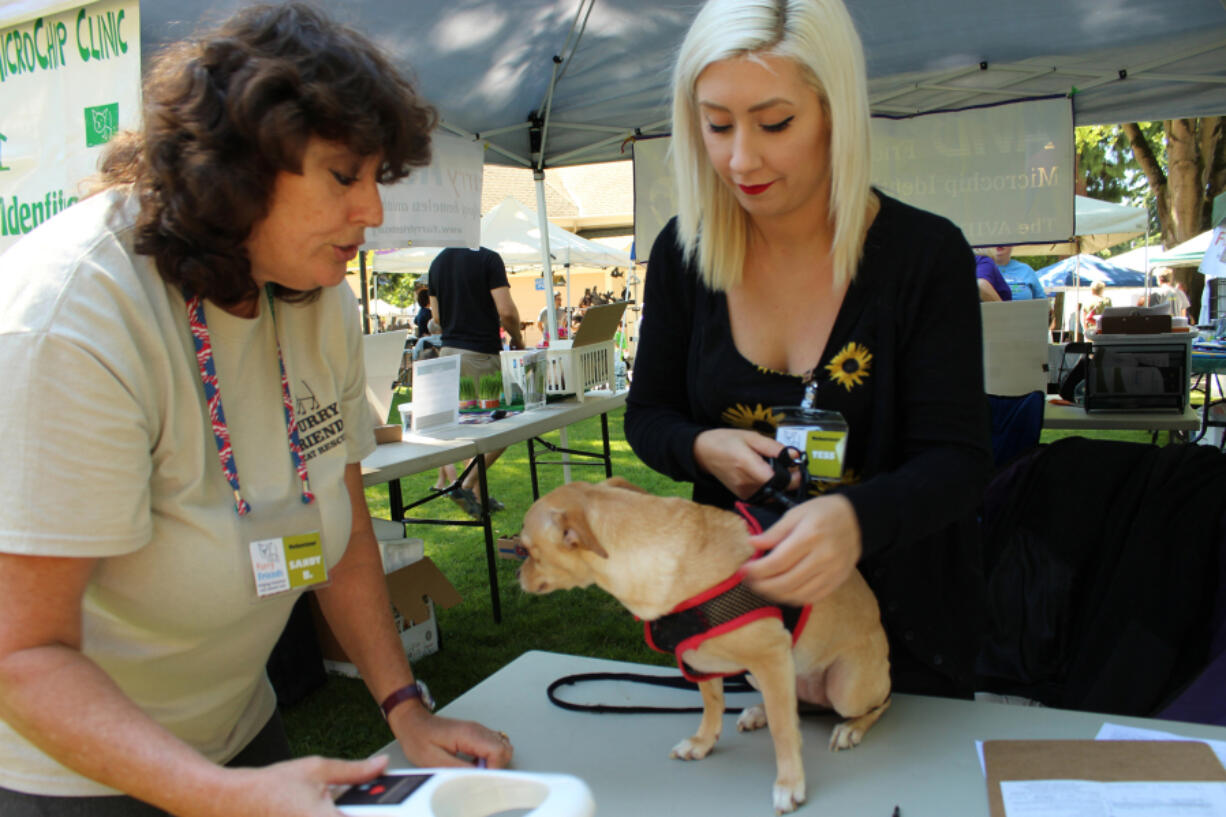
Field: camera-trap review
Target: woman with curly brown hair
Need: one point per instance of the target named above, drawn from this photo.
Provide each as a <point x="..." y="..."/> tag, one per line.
<point x="188" y="316"/>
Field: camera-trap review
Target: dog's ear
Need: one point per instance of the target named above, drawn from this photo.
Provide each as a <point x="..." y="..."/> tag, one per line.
<point x="620" y="482"/>
<point x="576" y="533"/>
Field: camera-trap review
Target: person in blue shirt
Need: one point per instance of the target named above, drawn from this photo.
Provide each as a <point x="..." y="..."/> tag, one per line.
<point x="1021" y="278"/>
<point x="992" y="285"/>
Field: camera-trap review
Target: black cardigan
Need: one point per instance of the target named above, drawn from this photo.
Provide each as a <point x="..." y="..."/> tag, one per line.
<point x="908" y="377"/>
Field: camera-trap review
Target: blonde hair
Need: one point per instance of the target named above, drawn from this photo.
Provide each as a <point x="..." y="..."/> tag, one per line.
<point x="1098" y="287"/>
<point x="820" y="37"/>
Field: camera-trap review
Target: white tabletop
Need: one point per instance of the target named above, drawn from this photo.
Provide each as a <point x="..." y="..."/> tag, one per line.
<point x="459" y="441"/>
<point x="920" y="756"/>
<point x="1077" y="418"/>
<point x="528" y="424"/>
<point x="391" y="461"/>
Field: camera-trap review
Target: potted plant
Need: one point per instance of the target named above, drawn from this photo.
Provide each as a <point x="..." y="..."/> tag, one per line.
<point x="490" y="390"/>
<point x="468" y="393"/>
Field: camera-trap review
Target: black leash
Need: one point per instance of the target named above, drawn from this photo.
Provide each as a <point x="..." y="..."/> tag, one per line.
<point x="731" y="685"/>
<point x="775" y="489"/>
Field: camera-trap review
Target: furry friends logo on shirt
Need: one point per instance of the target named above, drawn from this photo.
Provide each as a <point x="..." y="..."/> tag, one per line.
<point x="320" y="428"/>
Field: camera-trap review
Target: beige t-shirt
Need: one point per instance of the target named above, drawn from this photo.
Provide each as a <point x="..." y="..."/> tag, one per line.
<point x="109" y="454"/>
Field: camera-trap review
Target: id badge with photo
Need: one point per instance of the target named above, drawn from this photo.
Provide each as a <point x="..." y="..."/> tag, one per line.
<point x="283" y="548"/>
<point x="820" y="434"/>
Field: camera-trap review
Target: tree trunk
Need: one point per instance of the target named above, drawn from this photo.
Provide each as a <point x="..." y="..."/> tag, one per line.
<point x="1213" y="152"/>
<point x="1183" y="171"/>
<point x="1148" y="160"/>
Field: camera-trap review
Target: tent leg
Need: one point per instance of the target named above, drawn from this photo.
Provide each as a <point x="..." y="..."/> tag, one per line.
<point x="551" y="320"/>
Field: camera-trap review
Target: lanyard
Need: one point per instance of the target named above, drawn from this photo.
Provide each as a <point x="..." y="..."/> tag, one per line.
<point x="212" y="394"/>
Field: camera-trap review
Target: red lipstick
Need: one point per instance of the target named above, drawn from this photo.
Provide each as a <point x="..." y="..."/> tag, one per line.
<point x="754" y="189"/>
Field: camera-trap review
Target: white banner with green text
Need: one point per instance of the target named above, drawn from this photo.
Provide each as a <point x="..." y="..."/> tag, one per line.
<point x="69" y="79"/>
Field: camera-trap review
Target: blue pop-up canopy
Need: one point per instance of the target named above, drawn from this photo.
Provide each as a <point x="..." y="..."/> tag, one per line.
<point x="1088" y="268"/>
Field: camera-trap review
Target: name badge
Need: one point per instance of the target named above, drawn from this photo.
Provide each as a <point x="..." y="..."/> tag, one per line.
<point x="288" y="563"/>
<point x="823" y="449"/>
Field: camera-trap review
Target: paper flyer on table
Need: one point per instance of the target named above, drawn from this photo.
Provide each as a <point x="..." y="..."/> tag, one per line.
<point x="1089" y="798"/>
<point x="1115" y="731"/>
<point x="436" y="392"/>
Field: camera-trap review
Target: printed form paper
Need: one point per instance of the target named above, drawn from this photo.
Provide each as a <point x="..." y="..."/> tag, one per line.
<point x="1087" y="798"/>
<point x="1115" y="731"/>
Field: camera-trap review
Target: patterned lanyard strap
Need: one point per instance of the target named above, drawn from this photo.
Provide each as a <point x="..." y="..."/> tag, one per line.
<point x="217" y="415"/>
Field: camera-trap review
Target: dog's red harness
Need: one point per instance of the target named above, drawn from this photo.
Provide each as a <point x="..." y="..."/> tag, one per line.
<point x="723" y="608"/>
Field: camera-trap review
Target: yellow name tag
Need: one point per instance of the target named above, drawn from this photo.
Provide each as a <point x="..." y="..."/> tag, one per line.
<point x="288" y="563"/>
<point x="823" y="447"/>
<point x="824" y="450"/>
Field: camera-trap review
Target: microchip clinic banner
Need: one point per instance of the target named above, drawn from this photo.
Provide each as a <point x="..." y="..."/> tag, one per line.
<point x="436" y="206"/>
<point x="1004" y="174"/>
<point x="69" y="79"/>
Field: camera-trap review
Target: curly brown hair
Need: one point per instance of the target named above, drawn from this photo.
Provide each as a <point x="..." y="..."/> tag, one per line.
<point x="227" y="110"/>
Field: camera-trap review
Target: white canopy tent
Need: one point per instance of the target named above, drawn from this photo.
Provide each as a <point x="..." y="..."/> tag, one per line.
<point x="513" y="231"/>
<point x="546" y="83"/>
<point x="489" y="65"/>
<point x="383" y="309"/>
<point x="553" y="82"/>
<point x="1137" y="258"/>
<point x="1097" y="225"/>
<point x="1188" y="254"/>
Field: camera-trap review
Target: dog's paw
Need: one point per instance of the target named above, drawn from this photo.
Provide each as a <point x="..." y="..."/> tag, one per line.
<point x="694" y="748"/>
<point x="751" y="718"/>
<point x="788" y="796"/>
<point x="846" y="735"/>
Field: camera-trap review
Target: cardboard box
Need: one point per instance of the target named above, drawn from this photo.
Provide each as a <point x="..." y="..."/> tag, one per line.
<point x="395" y="549"/>
<point x="414" y="591"/>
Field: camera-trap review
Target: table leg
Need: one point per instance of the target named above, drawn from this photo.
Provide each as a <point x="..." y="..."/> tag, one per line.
<point x="490" y="555"/>
<point x="395" y="499"/>
<point x="398" y="511"/>
<point x="608" y="459"/>
<point x="536" y="488"/>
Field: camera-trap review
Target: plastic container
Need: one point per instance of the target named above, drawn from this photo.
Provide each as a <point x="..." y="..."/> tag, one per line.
<point x="820" y="434"/>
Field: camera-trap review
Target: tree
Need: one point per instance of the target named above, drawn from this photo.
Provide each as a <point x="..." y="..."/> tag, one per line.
<point x="1104" y="167"/>
<point x="1175" y="168"/>
<point x="398" y="289"/>
<point x="1193" y="173"/>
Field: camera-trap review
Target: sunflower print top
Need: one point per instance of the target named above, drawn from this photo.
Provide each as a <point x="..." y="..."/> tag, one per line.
<point x="750" y="396"/>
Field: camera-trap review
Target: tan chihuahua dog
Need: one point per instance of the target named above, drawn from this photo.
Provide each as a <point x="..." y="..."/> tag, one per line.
<point x="653" y="554"/>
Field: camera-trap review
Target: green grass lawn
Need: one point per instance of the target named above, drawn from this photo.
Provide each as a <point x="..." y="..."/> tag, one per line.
<point x="341" y="720"/>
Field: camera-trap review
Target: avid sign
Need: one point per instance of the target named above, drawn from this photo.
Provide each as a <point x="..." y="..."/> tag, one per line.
<point x="69" y="80"/>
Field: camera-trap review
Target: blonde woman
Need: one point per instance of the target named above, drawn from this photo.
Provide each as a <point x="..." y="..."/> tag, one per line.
<point x="784" y="265"/>
<point x="1093" y="311"/>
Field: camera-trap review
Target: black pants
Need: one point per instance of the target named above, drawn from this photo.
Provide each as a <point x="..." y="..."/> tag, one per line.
<point x="268" y="747"/>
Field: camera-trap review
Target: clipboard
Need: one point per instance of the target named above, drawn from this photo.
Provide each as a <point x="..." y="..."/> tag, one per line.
<point x="1102" y="760"/>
